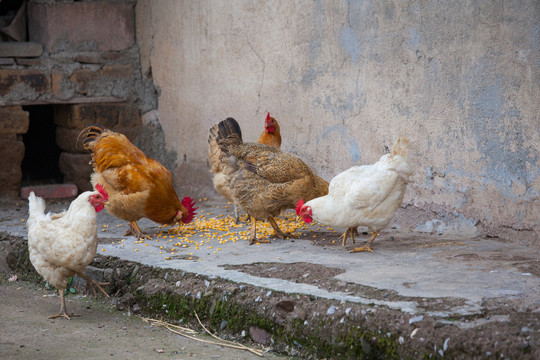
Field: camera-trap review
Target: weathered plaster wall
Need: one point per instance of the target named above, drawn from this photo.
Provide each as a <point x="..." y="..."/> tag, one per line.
<point x="460" y="79"/>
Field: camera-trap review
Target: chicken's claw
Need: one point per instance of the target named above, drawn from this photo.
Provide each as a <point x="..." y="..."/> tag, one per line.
<point x="135" y="230"/>
<point x="360" y="249"/>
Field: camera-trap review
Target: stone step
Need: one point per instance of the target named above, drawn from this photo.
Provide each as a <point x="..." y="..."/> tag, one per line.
<point x="20" y="49"/>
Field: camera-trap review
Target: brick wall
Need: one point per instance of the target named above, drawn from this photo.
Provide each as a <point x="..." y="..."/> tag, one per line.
<point x="82" y="59"/>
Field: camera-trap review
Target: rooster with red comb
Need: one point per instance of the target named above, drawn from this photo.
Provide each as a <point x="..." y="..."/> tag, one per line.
<point x="137" y="185"/>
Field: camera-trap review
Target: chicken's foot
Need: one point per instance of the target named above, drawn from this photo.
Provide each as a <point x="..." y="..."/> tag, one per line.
<point x="374" y="234"/>
<point x="277" y="231"/>
<point x="62" y="312"/>
<point x="94" y="284"/>
<point x="350" y="231"/>
<point x="253" y="234"/>
<point x="136" y="231"/>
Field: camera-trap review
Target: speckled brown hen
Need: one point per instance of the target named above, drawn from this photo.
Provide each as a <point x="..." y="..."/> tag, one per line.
<point x="271" y="135"/>
<point x="264" y="180"/>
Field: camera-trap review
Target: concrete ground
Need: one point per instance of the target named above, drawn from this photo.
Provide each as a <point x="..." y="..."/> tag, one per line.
<point x="467" y="283"/>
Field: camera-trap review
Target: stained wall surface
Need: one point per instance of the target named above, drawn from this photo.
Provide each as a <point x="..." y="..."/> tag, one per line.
<point x="460" y="79"/>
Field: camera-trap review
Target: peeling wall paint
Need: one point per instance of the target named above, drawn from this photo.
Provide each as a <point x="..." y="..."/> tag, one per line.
<point x="345" y="78"/>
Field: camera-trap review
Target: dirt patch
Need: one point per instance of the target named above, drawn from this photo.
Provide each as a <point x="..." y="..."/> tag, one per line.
<point x="100" y="332"/>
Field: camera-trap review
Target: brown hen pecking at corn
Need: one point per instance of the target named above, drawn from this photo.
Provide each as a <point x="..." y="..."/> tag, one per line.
<point x="137" y="185"/>
<point x="264" y="180"/>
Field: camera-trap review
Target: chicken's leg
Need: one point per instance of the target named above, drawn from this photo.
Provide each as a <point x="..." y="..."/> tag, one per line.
<point x="277" y="231"/>
<point x="374" y="234"/>
<point x="62" y="312"/>
<point x="253" y="233"/>
<point x="236" y="219"/>
<point x="352" y="231"/>
<point x="94" y="284"/>
<point x="135" y="230"/>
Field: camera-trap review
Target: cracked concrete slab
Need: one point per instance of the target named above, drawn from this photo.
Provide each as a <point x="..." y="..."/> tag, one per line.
<point x="413" y="265"/>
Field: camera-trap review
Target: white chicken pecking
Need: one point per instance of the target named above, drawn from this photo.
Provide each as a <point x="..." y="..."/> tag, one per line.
<point x="62" y="245"/>
<point x="367" y="195"/>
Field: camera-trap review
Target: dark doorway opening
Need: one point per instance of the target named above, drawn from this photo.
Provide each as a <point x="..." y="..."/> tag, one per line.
<point x="40" y="163"/>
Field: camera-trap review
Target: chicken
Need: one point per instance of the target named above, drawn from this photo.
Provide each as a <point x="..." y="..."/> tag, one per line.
<point x="367" y="195"/>
<point x="264" y="180"/>
<point x="62" y="245"/>
<point x="270" y="136"/>
<point x="137" y="185"/>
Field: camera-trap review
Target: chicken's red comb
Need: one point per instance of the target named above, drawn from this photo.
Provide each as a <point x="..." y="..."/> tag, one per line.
<point x="188" y="203"/>
<point x="299" y="206"/>
<point x="102" y="191"/>
<point x="268" y="116"/>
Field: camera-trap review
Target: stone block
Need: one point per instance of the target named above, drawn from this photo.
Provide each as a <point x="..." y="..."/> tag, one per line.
<point x="66" y="139"/>
<point x="112" y="80"/>
<point x="90" y="58"/>
<point x="7" y="61"/>
<point x="111" y="115"/>
<point x="52" y="191"/>
<point x="14" y="120"/>
<point x="20" y="49"/>
<point x="76" y="169"/>
<point x="82" y="26"/>
<point x="11" y="174"/>
<point x="24" y="80"/>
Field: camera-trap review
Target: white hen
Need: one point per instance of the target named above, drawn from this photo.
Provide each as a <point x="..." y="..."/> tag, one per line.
<point x="367" y="195"/>
<point x="62" y="245"/>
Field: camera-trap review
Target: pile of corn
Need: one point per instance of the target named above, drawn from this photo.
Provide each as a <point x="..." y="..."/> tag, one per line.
<point x="210" y="232"/>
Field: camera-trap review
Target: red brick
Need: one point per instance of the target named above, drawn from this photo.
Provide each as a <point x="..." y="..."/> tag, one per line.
<point x="114" y="116"/>
<point x="53" y="191"/>
<point x="14" y="120"/>
<point x="33" y="80"/>
<point x="82" y="26"/>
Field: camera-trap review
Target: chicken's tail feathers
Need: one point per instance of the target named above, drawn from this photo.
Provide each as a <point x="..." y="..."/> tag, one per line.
<point x="228" y="134"/>
<point x="228" y="127"/>
<point x="36" y="206"/>
<point x="88" y="135"/>
<point x="212" y="134"/>
<point x="401" y="147"/>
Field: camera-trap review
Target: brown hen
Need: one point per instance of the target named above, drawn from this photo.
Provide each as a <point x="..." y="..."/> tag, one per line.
<point x="271" y="135"/>
<point x="264" y="180"/>
<point x="137" y="185"/>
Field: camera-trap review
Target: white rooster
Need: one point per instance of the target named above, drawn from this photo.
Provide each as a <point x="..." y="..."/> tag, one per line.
<point x="62" y="245"/>
<point x="367" y="195"/>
